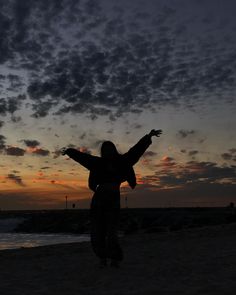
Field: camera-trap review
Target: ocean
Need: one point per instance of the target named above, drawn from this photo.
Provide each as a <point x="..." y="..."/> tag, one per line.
<point x="22" y="240"/>
<point x="11" y="240"/>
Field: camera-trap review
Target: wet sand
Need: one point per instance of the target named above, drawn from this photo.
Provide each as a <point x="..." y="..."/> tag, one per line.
<point x="197" y="261"/>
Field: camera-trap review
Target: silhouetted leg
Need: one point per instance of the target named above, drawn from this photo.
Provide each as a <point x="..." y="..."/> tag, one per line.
<point x="114" y="250"/>
<point x="98" y="229"/>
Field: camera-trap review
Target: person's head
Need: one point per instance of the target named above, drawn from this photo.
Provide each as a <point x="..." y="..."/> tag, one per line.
<point x="108" y="150"/>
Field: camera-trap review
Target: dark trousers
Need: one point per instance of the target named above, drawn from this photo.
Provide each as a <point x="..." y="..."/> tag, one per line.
<point x="105" y="211"/>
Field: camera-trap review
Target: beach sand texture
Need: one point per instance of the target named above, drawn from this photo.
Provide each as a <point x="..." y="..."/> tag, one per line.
<point x="197" y="261"/>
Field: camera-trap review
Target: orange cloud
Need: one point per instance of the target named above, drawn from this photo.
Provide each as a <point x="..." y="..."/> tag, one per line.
<point x="37" y="151"/>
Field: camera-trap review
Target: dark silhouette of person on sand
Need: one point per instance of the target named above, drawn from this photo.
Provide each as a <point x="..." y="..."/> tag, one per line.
<point x="106" y="175"/>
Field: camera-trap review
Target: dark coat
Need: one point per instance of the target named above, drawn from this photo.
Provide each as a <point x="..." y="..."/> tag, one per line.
<point x="118" y="170"/>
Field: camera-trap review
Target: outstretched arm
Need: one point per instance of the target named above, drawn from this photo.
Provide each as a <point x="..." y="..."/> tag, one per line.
<point x="86" y="160"/>
<point x="134" y="154"/>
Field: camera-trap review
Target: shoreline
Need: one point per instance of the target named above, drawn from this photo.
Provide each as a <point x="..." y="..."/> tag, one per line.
<point x="193" y="261"/>
<point x="31" y="240"/>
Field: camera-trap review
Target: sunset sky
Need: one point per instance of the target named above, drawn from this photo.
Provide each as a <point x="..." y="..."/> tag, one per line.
<point x="77" y="72"/>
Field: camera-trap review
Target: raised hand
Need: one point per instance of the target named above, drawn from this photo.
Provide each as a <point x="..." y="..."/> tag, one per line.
<point x="63" y="151"/>
<point x="154" y="132"/>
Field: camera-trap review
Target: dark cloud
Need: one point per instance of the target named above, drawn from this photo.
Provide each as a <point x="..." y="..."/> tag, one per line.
<point x="150" y="154"/>
<point x="15" y="82"/>
<point x="31" y="142"/>
<point x="166" y="162"/>
<point x="184" y="133"/>
<point x="40" y="152"/>
<point x="15" y="178"/>
<point x="58" y="183"/>
<point x="42" y="109"/>
<point x="11" y="104"/>
<point x="15" y="171"/>
<point x="167" y="159"/>
<point x="210" y="171"/>
<point x="2" y="142"/>
<point x="233" y="151"/>
<point x="137" y="126"/>
<point x="32" y="148"/>
<point x="193" y="153"/>
<point x="30" y="166"/>
<point x="57" y="153"/>
<point x="2" y="123"/>
<point x="230" y="155"/>
<point x="83" y="135"/>
<point x="226" y="156"/>
<point x="14" y="151"/>
<point x="3" y="106"/>
<point x="202" y="140"/>
<point x="191" y="172"/>
<point x="16" y="119"/>
<point x="82" y="59"/>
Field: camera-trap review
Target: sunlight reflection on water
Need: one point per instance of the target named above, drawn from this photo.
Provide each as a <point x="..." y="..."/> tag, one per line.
<point x="18" y="240"/>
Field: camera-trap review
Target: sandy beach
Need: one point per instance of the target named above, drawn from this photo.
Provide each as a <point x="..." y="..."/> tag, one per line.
<point x="197" y="261"/>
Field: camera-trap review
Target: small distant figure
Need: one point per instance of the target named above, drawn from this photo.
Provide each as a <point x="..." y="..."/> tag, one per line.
<point x="232" y="208"/>
<point x="66" y="202"/>
<point x="126" y="202"/>
<point x="73" y="206"/>
<point x="231" y="205"/>
<point x="106" y="175"/>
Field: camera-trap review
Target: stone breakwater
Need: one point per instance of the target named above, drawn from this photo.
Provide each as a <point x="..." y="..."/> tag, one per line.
<point x="131" y="220"/>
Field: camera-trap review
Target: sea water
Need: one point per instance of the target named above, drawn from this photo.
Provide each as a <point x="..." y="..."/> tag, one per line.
<point x="12" y="240"/>
<point x="20" y="240"/>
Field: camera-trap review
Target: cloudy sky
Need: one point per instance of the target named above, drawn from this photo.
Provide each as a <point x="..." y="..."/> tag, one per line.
<point x="77" y="72"/>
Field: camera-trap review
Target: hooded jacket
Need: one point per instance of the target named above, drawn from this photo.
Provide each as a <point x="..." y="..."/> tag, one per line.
<point x="117" y="170"/>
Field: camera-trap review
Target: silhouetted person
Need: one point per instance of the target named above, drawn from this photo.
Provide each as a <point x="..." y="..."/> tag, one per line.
<point x="232" y="208"/>
<point x="106" y="175"/>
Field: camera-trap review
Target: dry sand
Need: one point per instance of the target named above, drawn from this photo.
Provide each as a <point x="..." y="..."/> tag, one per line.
<point x="198" y="261"/>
